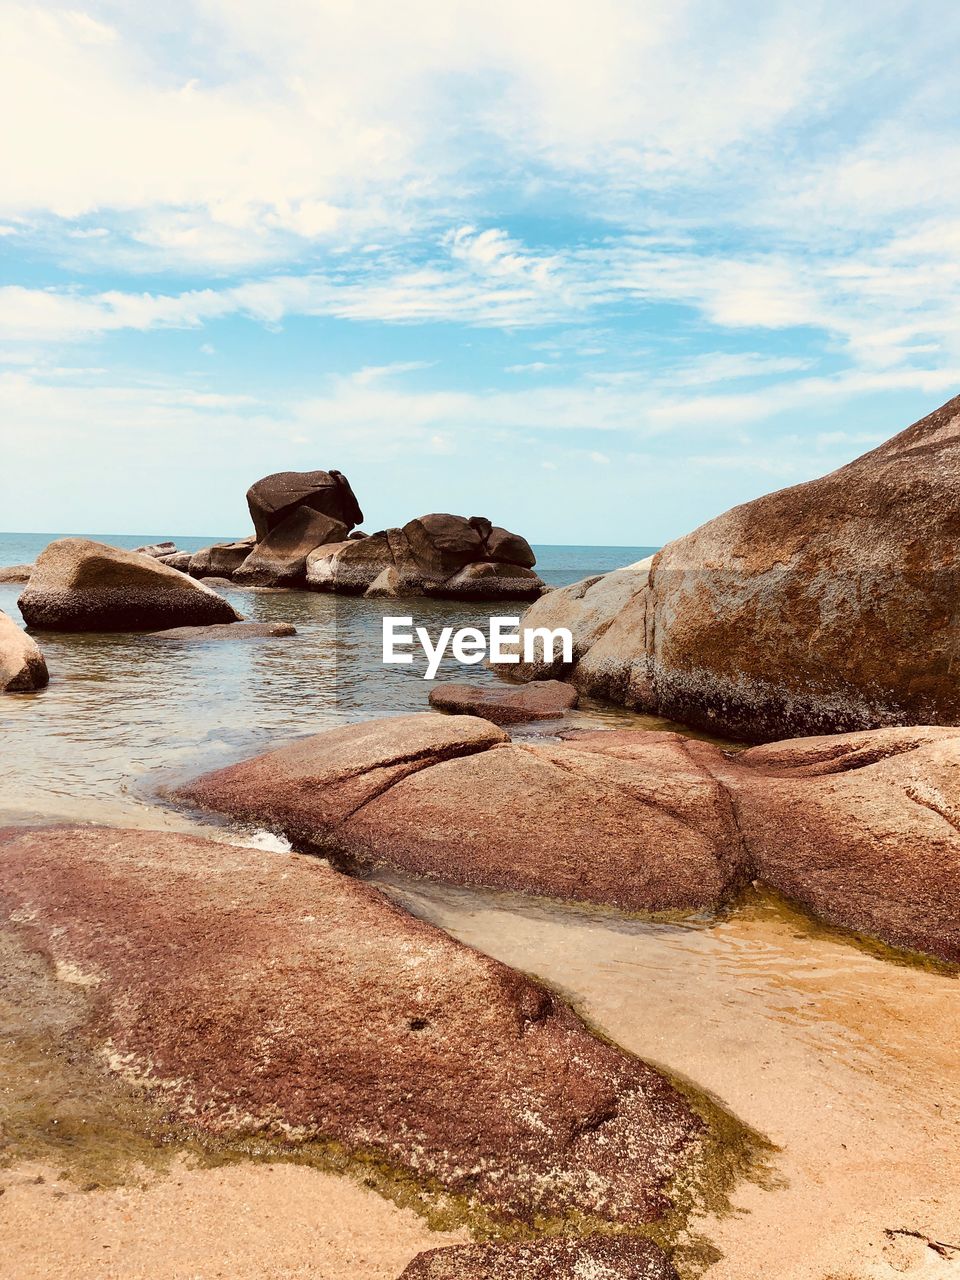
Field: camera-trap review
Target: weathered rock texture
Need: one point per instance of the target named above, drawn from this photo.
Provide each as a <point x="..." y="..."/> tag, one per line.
<point x="222" y="560"/>
<point x="861" y="829"/>
<point x="228" y="631"/>
<point x="15" y="572"/>
<point x="22" y="665"/>
<point x="825" y="607"/>
<point x="158" y="550"/>
<point x="506" y="704"/>
<point x="437" y="554"/>
<point x="267" y="994"/>
<point x="79" y="585"/>
<point x="274" y="498"/>
<point x="593" y="1258"/>
<point x="280" y="558"/>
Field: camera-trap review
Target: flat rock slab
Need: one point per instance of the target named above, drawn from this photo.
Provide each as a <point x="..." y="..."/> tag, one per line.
<point x="506" y="704"/>
<point x="861" y="829"/>
<point x="227" y="631"/>
<point x="594" y="1258"/>
<point x="264" y="993"/>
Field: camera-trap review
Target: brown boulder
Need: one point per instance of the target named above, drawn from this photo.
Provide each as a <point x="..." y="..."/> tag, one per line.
<point x="272" y="499"/>
<point x="820" y="608"/>
<point x="15" y="572"/>
<point x="79" y="585"/>
<point x="503" y="545"/>
<point x="158" y="550"/>
<point x="265" y="994"/>
<point x="442" y="544"/>
<point x="280" y="559"/>
<point x="180" y="560"/>
<point x="861" y="829"/>
<point x="489" y="580"/>
<point x="452" y="798"/>
<point x="557" y="1258"/>
<point x="222" y="560"/>
<point x="22" y="665"/>
<point x="351" y="566"/>
<point x="227" y="631"/>
<point x="505" y="704"/>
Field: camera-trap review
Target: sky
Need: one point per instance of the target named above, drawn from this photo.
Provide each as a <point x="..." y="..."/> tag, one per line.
<point x="597" y="269"/>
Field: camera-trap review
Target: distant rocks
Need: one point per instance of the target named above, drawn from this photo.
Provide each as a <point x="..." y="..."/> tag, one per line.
<point x="22" y="665"/>
<point x="555" y="1258"/>
<point x="819" y="608"/>
<point x="265" y="994"/>
<point x="443" y="555"/>
<point x="158" y="550"/>
<point x="78" y="585"/>
<point x="506" y="704"/>
<point x="15" y="572"/>
<point x="227" y="631"/>
<point x="861" y="829"/>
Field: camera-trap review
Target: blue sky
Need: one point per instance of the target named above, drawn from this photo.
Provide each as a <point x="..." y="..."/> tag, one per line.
<point x="597" y="270"/>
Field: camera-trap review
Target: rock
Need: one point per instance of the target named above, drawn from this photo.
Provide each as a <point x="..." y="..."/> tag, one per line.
<point x="272" y="499"/>
<point x="227" y="631"/>
<point x="451" y="798"/>
<point x="179" y="561"/>
<point x="356" y="534"/>
<point x="216" y="583"/>
<point x="280" y="558"/>
<point x="862" y="829"/>
<point x="820" y="608"/>
<point x="437" y="555"/>
<point x="158" y="550"/>
<point x="510" y="547"/>
<point x="22" y="665"/>
<point x="79" y="585"/>
<point x="503" y="704"/>
<point x="556" y="1258"/>
<point x="263" y="994"/>
<point x="222" y="560"/>
<point x="15" y="572"/>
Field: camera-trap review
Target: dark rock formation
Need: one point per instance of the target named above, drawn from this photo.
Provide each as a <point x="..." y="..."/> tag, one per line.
<point x="265" y="994"/>
<point x="557" y="1258"/>
<point x="820" y="608"/>
<point x="227" y="631"/>
<point x="79" y="585"/>
<point x="280" y="558"/>
<point x="861" y="829"/>
<point x="22" y="665"/>
<point x="506" y="704"/>
<point x="441" y="555"/>
<point x="272" y="499"/>
<point x="222" y="560"/>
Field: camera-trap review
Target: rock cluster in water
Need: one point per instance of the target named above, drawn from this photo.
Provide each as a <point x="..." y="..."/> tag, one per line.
<point x="863" y="829"/>
<point x="822" y="608"/>
<point x="265" y="994"/>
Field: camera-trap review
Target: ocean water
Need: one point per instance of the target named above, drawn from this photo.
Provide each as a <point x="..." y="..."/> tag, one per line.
<point x="125" y="715"/>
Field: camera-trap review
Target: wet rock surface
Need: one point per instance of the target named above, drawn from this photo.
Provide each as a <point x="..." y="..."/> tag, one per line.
<point x="227" y="631"/>
<point x="861" y="829"/>
<point x="23" y="667"/>
<point x="506" y="704"/>
<point x="816" y="609"/>
<point x="79" y="585"/>
<point x="264" y="994"/>
<point x="596" y="1258"/>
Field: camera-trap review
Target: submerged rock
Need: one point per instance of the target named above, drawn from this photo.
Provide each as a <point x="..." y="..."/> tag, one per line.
<point x="78" y="585"/>
<point x="22" y="665"/>
<point x="265" y="994"/>
<point x="558" y="1258"/>
<point x="819" y="608"/>
<point x="505" y="704"/>
<point x="227" y="631"/>
<point x="862" y="829"/>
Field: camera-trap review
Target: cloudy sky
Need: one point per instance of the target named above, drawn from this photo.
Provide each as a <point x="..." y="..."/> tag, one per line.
<point x="595" y="268"/>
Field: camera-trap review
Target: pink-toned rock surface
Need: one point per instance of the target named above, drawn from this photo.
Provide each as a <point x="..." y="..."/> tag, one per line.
<point x="503" y="703"/>
<point x="595" y="1258"/>
<point x="266" y="994"/>
<point x="861" y="829"/>
<point x="23" y="667"/>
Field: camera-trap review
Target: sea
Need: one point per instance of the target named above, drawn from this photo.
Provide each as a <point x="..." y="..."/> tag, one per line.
<point x="126" y="716"/>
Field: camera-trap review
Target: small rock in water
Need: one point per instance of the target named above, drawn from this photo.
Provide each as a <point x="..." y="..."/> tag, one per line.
<point x="505" y="704"/>
<point x="228" y="631"/>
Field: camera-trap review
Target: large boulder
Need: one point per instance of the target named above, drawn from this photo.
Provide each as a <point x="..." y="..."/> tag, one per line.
<point x="275" y="497"/>
<point x="556" y="1258"/>
<point x="78" y="585"/>
<point x="439" y="555"/>
<point x="22" y="665"/>
<point x="861" y="829"/>
<point x="264" y="995"/>
<point x="222" y="560"/>
<point x="280" y="558"/>
<point x="821" y="608"/>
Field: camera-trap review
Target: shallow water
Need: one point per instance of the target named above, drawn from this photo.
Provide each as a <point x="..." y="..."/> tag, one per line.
<point x="847" y="1061"/>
